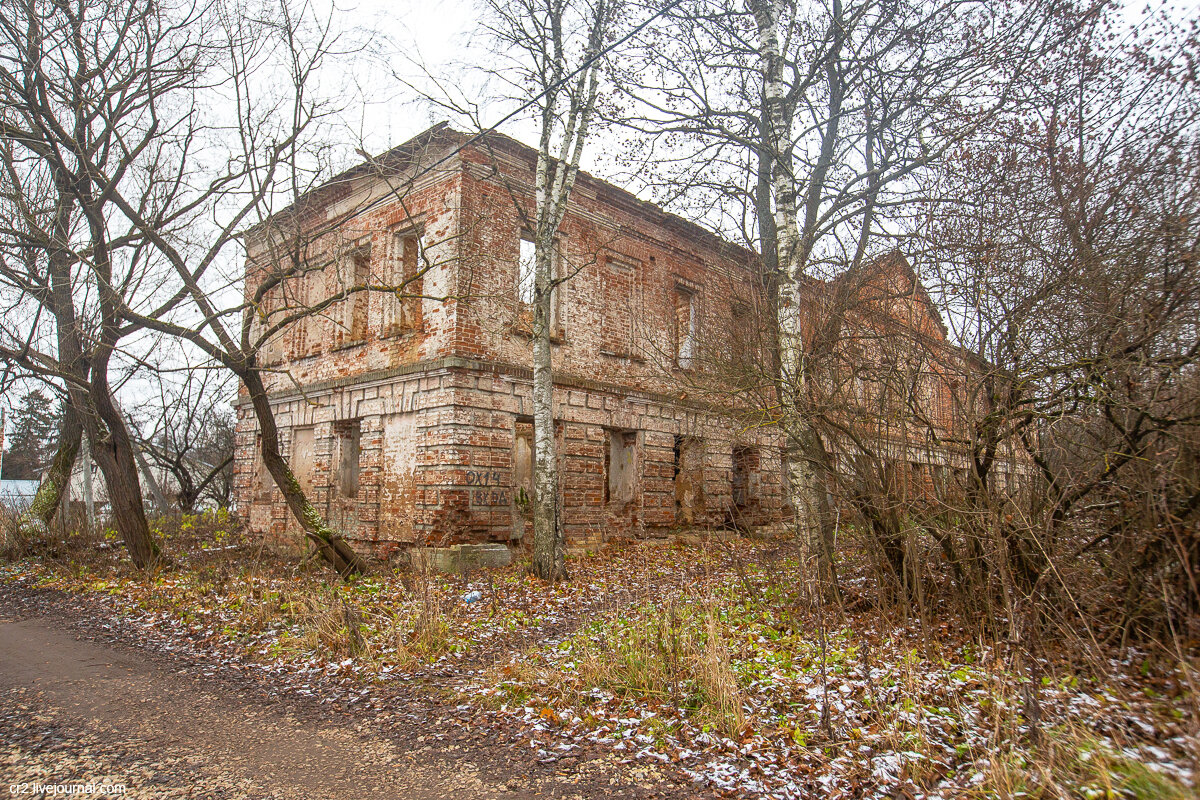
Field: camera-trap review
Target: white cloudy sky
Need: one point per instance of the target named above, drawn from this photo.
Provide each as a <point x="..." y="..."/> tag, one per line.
<point x="438" y="33"/>
<point x="412" y="36"/>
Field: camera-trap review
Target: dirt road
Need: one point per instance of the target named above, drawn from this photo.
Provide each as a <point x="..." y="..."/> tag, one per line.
<point x="77" y="710"/>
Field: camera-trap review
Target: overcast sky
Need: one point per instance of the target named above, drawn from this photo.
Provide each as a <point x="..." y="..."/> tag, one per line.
<point x="438" y="33"/>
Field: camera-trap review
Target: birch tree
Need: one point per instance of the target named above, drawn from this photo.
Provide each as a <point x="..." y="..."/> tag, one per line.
<point x="804" y="124"/>
<point x="874" y="93"/>
<point x="557" y="49"/>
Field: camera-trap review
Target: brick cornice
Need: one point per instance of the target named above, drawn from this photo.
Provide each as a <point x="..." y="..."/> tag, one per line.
<point x="458" y="363"/>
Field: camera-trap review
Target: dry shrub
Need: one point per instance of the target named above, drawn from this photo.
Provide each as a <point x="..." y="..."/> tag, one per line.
<point x="330" y="624"/>
<point x="717" y="681"/>
<point x="420" y="629"/>
<point x="8" y="532"/>
<point x="678" y="655"/>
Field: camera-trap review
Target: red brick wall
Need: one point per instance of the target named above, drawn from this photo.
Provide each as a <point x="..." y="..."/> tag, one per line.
<point x="438" y="409"/>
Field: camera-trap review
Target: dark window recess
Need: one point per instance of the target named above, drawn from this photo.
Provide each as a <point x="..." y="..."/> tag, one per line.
<point x="689" y="479"/>
<point x="360" y="276"/>
<point x="745" y="465"/>
<point x="348" y="435"/>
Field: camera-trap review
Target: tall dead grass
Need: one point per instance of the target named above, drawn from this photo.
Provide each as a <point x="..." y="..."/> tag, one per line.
<point x="677" y="654"/>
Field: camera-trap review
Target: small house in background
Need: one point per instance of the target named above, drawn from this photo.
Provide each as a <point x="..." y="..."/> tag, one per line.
<point x="17" y="496"/>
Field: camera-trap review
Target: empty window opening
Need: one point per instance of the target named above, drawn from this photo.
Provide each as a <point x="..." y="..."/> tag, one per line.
<point x="676" y="449"/>
<point x="526" y="286"/>
<point x="688" y="469"/>
<point x="522" y="479"/>
<point x="620" y="467"/>
<point x="853" y="469"/>
<point x="360" y="276"/>
<point x="526" y="272"/>
<point x="348" y="436"/>
<point x="407" y="281"/>
<point x="745" y="465"/>
<point x="685" y="328"/>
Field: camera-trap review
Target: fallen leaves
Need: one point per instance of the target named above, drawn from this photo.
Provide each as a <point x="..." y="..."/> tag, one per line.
<point x="663" y="657"/>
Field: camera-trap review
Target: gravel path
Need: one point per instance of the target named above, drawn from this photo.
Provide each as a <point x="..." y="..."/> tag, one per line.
<point x="75" y="709"/>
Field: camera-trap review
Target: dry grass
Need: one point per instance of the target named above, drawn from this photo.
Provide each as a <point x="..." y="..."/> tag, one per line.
<point x="420" y="630"/>
<point x="1072" y="763"/>
<point x="329" y="623"/>
<point x="687" y="653"/>
<point x="677" y="656"/>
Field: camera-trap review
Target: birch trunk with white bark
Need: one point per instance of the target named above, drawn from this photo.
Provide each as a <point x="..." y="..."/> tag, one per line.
<point x="549" y="539"/>
<point x="554" y="179"/>
<point x="805" y="488"/>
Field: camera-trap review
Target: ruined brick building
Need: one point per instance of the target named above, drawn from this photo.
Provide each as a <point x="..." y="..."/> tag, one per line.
<point x="901" y="407"/>
<point x="406" y="415"/>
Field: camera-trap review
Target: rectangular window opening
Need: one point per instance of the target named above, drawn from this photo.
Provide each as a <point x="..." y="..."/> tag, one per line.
<point x="523" y="465"/>
<point x="359" y="273"/>
<point x="526" y="287"/>
<point x="688" y="468"/>
<point x="526" y="272"/>
<point x="620" y="467"/>
<point x="348" y="440"/>
<point x="685" y="322"/>
<point x="407" y="282"/>
<point x="745" y="464"/>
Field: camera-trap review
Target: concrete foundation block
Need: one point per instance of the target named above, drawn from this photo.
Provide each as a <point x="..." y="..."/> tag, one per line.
<point x="462" y="557"/>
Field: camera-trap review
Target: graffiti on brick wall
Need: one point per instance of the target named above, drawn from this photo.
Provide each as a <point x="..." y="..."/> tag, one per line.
<point x="488" y="490"/>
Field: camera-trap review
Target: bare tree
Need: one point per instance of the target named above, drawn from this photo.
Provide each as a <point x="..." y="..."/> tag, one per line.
<point x="1062" y="243"/>
<point x="128" y="222"/>
<point x="188" y="434"/>
<point x="813" y="121"/>
<point x="80" y="88"/>
<point x="556" y="53"/>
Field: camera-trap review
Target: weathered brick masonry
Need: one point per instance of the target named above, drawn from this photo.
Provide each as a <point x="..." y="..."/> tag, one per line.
<point x="408" y="421"/>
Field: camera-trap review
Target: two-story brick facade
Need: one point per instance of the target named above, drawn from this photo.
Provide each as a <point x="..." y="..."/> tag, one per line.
<point x="408" y="419"/>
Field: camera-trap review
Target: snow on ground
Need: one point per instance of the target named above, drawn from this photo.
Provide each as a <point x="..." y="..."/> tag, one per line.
<point x="703" y="659"/>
